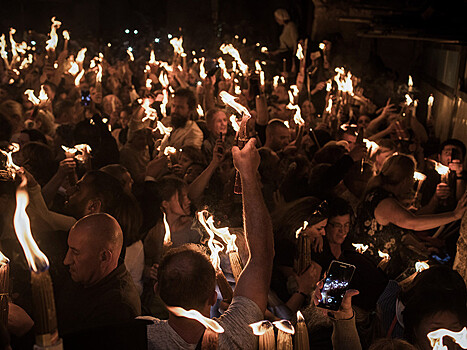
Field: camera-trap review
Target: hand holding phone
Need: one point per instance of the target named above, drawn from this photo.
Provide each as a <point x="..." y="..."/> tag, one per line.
<point x="335" y="286"/>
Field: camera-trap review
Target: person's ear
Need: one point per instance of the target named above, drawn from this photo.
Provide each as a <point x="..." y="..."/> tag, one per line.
<point x="105" y="255"/>
<point x="93" y="206"/>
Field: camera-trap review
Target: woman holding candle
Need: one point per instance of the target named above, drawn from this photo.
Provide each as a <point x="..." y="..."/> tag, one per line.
<point x="384" y="223"/>
<point x="295" y="250"/>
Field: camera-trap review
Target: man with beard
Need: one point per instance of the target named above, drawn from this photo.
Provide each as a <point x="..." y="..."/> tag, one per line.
<point x="185" y="131"/>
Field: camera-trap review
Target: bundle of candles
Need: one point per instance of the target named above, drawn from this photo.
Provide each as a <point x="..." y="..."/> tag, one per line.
<point x="288" y="337"/>
<point x="45" y="319"/>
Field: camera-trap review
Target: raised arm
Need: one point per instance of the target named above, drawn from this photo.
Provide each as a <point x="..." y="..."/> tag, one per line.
<point x="390" y="211"/>
<point x="256" y="276"/>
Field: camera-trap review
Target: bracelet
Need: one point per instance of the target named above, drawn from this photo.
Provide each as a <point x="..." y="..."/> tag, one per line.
<point x="302" y="294"/>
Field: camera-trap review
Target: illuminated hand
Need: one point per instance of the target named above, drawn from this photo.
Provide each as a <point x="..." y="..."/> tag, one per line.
<point x="442" y="191"/>
<point x="345" y="311"/>
<point x="247" y="160"/>
<point x="456" y="166"/>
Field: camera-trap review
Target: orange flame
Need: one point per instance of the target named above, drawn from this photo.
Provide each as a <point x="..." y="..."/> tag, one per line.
<point x="200" y="111"/>
<point x="371" y="146"/>
<point x="436" y="338"/>
<point x="385" y="256"/>
<point x="233" y="121"/>
<point x="408" y="100"/>
<point x="300" y="317"/>
<point x="202" y="70"/>
<point x="69" y="151"/>
<point x="164" y="80"/>
<point x="169" y="150"/>
<point x="150" y="113"/>
<point x="214" y="246"/>
<point x="99" y="74"/>
<point x="78" y="78"/>
<point x="300" y="229"/>
<point x="13" y="42"/>
<point x="261" y="327"/>
<point x="43" y="95"/>
<point x="232" y="51"/>
<point x="284" y="326"/>
<point x="177" y="44"/>
<point x="410" y="82"/>
<point x="3" y="51"/>
<point x="152" y="57"/>
<point x="228" y="99"/>
<point x="441" y="169"/>
<point x="31" y="97"/>
<point x="421" y="266"/>
<point x="222" y="232"/>
<point x="299" y="53"/>
<point x="11" y="167"/>
<point x="81" y="55"/>
<point x="130" y="54"/>
<point x="359" y="247"/>
<point x="167" y="235"/>
<point x="74" y="69"/>
<point x="223" y="68"/>
<point x="164" y="130"/>
<point x="418" y="176"/>
<point x="37" y="260"/>
<point x="163" y="106"/>
<point x="431" y="100"/>
<point x="148" y="84"/>
<point x="66" y="35"/>
<point x="52" y="42"/>
<point x="196" y="315"/>
<point x="275" y="81"/>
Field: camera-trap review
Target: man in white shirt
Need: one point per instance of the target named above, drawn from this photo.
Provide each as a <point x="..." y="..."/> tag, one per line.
<point x="187" y="279"/>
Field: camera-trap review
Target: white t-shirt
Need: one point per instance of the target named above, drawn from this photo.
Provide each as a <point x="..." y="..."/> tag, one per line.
<point x="235" y="321"/>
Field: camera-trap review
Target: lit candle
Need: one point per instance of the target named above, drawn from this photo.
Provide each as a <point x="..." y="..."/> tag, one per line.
<point x="265" y="332"/>
<point x="10" y="167"/>
<point x="431" y="100"/>
<point x="410" y="84"/>
<point x="66" y="36"/>
<point x="45" y="320"/>
<point x="284" y="334"/>
<point x="359" y="247"/>
<point x="443" y="171"/>
<point x="301" y="335"/>
<point x="303" y="257"/>
<point x="385" y="257"/>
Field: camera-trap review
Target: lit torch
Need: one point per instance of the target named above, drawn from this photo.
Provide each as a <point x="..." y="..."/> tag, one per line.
<point x="303" y="257"/>
<point x="232" y="51"/>
<point x="430" y="102"/>
<point x="301" y="335"/>
<point x="66" y="37"/>
<point x="10" y="167"/>
<point x="443" y="171"/>
<point x="385" y="257"/>
<point x="41" y="283"/>
<point x="360" y="247"/>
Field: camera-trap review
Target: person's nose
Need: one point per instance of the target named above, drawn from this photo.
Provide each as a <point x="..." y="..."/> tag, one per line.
<point x="68" y="260"/>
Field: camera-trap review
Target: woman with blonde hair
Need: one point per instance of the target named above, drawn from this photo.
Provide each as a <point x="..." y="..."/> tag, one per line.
<point x="383" y="220"/>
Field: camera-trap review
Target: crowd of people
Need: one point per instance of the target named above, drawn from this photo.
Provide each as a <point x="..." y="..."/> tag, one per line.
<point x="122" y="152"/>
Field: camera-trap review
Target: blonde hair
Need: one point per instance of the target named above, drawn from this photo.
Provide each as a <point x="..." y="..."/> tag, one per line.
<point x="395" y="169"/>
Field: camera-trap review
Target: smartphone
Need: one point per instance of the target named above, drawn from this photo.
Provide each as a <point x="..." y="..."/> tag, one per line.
<point x="336" y="284"/>
<point x="85" y="97"/>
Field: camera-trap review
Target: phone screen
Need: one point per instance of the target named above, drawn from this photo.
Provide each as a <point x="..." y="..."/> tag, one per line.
<point x="336" y="284"/>
<point x="85" y="98"/>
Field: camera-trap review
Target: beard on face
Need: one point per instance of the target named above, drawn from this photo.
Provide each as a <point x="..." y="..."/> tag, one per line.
<point x="178" y="121"/>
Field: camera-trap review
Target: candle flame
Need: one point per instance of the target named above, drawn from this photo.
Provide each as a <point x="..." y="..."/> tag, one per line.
<point x="344" y="81"/>
<point x="258" y="67"/>
<point x="164" y="80"/>
<point x="3" y="259"/>
<point x="43" y="95"/>
<point x="13" y="42"/>
<point x="421" y="265"/>
<point x="299" y="53"/>
<point x="130" y="54"/>
<point x="233" y="121"/>
<point x="148" y="83"/>
<point x="262" y="78"/>
<point x="261" y="327"/>
<point x="167" y="235"/>
<point x="196" y="315"/>
<point x="31" y="97"/>
<point x="200" y="111"/>
<point x="436" y="338"/>
<point x="152" y="57"/>
<point x="66" y="35"/>
<point x="37" y="260"/>
<point x="301" y="229"/>
<point x="222" y="232"/>
<point x="177" y="44"/>
<point x="275" y="81"/>
<point x="408" y="100"/>
<point x="11" y="167"/>
<point x="295" y="90"/>
<point x="232" y="51"/>
<point x="431" y="100"/>
<point x="284" y="326"/>
<point x="78" y="78"/>
<point x="74" y="69"/>
<point x="228" y="99"/>
<point x="300" y="317"/>
<point x="329" y="85"/>
<point x="169" y="150"/>
<point x="329" y="106"/>
<point x="298" y="117"/>
<point x="3" y="51"/>
<point x="441" y="169"/>
<point x="410" y="82"/>
<point x="418" y="176"/>
<point x="150" y="113"/>
<point x="52" y="42"/>
<point x="163" y="129"/>
<point x="70" y="151"/>
<point x="81" y="55"/>
<point x="214" y="245"/>
<point x="385" y="256"/>
<point x="371" y="146"/>
<point x="202" y="70"/>
<point x="359" y="247"/>
<point x="264" y="49"/>
<point x="99" y="74"/>
<point x="223" y="68"/>
<point x="322" y="46"/>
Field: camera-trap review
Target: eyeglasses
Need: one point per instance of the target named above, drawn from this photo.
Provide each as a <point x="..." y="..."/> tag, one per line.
<point x="339" y="226"/>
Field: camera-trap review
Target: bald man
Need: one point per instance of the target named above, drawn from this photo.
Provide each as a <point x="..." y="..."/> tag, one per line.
<point x="277" y="135"/>
<point x="101" y="292"/>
